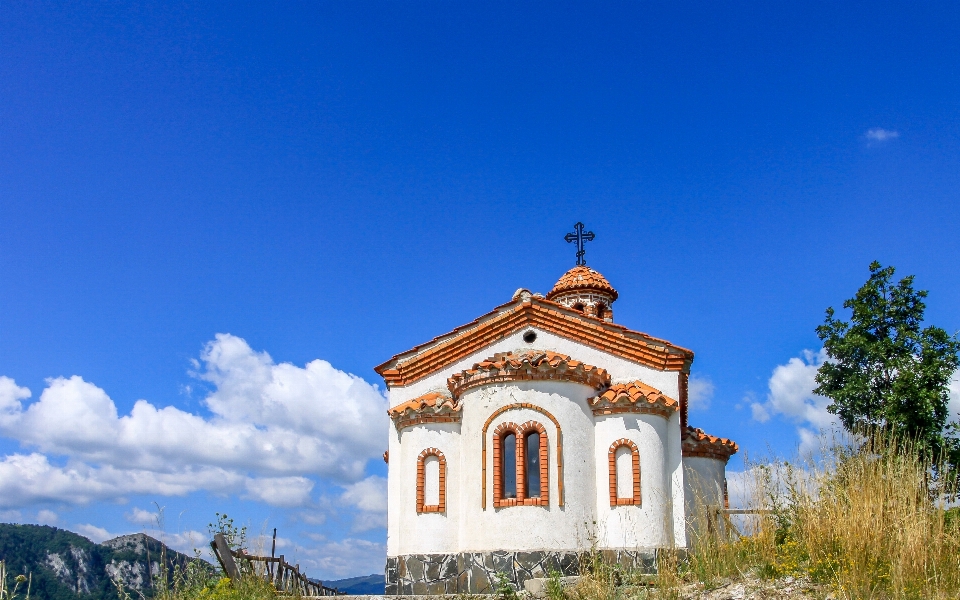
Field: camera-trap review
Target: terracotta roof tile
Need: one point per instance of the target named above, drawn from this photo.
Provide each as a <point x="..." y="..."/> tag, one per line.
<point x="634" y="397"/>
<point x="582" y="277"/>
<point x="528" y="365"/>
<point x="697" y="443"/>
<point x="434" y="407"/>
<point x="422" y="360"/>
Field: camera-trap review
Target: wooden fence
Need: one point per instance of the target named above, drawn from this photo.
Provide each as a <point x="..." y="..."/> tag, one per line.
<point x="286" y="578"/>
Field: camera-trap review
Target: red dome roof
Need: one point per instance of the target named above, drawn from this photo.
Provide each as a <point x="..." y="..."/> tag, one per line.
<point x="583" y="278"/>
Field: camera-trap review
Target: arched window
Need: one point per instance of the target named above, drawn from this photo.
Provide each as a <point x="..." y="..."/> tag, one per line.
<point x="531" y="467"/>
<point x="624" y="464"/>
<point x="508" y="465"/>
<point x="505" y="459"/>
<point x="520" y="465"/>
<point x="578" y="306"/>
<point x="601" y="310"/>
<point x="431" y="481"/>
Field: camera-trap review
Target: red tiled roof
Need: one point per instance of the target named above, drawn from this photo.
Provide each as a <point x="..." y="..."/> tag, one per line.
<point x="545" y="315"/>
<point x="584" y="278"/>
<point x="434" y="407"/>
<point x="635" y="397"/>
<point x="697" y="443"/>
<point x="528" y="365"/>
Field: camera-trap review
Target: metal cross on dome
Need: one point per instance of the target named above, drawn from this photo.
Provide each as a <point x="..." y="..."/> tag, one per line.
<point x="579" y="236"/>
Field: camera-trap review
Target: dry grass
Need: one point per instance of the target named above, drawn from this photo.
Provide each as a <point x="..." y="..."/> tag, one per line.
<point x="859" y="521"/>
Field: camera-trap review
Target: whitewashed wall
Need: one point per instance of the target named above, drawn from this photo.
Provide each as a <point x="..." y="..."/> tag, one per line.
<point x="467" y="527"/>
<point x="651" y="524"/>
<point x="703" y="486"/>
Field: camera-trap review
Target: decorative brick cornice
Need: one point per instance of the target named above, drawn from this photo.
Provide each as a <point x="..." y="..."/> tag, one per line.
<point x="421" y="482"/>
<point x="633" y="397"/>
<point x="435" y="407"/>
<point x="528" y="365"/>
<point x="696" y="443"/>
<point x="615" y="499"/>
<point x="516" y="315"/>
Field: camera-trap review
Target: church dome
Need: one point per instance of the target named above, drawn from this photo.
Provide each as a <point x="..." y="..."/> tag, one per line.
<point x="585" y="290"/>
<point x="582" y="278"/>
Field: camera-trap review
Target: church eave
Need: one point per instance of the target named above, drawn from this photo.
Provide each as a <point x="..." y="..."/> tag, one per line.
<point x="549" y="316"/>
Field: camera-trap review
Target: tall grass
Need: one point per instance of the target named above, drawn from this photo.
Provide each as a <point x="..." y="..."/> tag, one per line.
<point x="870" y="521"/>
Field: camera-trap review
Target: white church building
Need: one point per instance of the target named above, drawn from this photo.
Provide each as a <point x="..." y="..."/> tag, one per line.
<point x="535" y="433"/>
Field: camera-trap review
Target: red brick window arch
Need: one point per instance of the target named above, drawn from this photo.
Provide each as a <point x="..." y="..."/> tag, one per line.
<point x="624" y="462"/>
<point x="520" y="465"/>
<point x="431" y="481"/>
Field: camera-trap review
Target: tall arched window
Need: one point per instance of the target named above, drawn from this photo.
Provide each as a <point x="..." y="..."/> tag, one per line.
<point x="531" y="467"/>
<point x="624" y="464"/>
<point x="508" y="465"/>
<point x="431" y="481"/>
<point x="601" y="310"/>
<point x="505" y="459"/>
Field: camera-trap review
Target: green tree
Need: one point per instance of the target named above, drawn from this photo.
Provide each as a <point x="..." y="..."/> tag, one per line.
<point x="885" y="371"/>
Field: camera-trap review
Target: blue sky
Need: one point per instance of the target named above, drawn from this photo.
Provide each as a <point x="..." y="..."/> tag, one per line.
<point x="338" y="182"/>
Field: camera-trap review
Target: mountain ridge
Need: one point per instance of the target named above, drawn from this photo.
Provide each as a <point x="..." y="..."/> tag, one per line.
<point x="67" y="566"/>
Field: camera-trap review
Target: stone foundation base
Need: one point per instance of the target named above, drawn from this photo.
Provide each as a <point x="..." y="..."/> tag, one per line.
<point x="476" y="572"/>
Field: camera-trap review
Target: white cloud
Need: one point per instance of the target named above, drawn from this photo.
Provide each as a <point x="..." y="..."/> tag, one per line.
<point x="878" y="134"/>
<point x="700" y="393"/>
<point x="279" y="491"/>
<point x="10" y="516"/>
<point x="47" y="517"/>
<point x="954" y="402"/>
<point x="791" y="395"/>
<point x="344" y="558"/>
<point x="370" y="497"/>
<point x="93" y="533"/>
<point x="142" y="517"/>
<point x="273" y="427"/>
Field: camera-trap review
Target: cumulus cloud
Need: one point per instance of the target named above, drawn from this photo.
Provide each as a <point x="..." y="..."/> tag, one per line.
<point x="47" y="517"/>
<point x="370" y="497"/>
<point x="142" y="517"/>
<point x="791" y="395"/>
<point x="343" y="558"/>
<point x="954" y="403"/>
<point x="273" y="427"/>
<point x="878" y="134"/>
<point x="700" y="393"/>
<point x="93" y="533"/>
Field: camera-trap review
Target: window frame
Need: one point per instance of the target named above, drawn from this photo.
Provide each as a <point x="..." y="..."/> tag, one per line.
<point x="521" y="432"/>
<point x="441" y="507"/>
<point x="615" y="499"/>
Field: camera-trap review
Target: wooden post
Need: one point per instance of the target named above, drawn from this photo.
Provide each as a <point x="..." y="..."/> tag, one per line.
<point x="225" y="556"/>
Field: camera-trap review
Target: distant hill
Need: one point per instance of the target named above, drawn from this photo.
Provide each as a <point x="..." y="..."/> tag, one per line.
<point x="368" y="584"/>
<point x="67" y="566"/>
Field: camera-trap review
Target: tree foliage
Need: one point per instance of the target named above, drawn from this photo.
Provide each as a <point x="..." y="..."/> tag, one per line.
<point x="885" y="370"/>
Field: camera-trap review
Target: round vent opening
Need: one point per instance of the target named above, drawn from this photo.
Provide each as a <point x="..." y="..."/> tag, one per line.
<point x="530" y="337"/>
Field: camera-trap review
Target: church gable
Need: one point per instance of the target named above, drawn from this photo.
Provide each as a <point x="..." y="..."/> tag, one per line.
<point x="527" y="311"/>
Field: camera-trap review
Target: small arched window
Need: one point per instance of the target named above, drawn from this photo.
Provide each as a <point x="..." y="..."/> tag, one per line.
<point x="601" y="311"/>
<point x="431" y="481"/>
<point x="578" y="307"/>
<point x="624" y="465"/>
